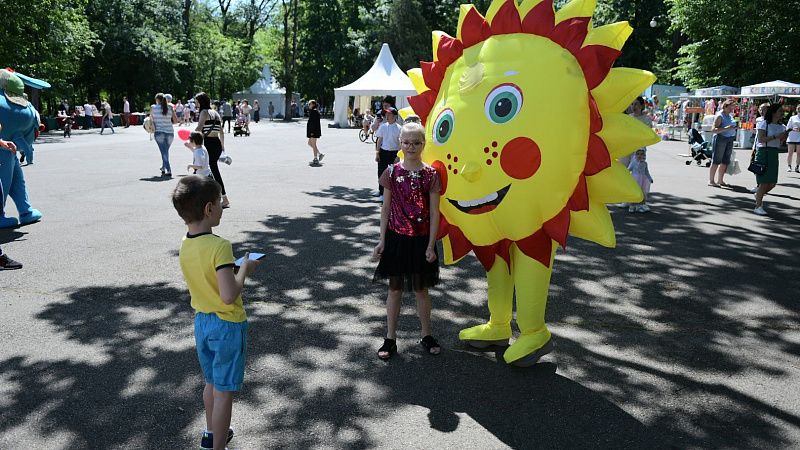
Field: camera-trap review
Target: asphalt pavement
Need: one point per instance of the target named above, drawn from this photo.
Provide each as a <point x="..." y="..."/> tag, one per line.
<point x="687" y="335"/>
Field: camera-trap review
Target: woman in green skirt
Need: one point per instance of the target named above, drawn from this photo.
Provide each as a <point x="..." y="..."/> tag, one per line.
<point x="770" y="141"/>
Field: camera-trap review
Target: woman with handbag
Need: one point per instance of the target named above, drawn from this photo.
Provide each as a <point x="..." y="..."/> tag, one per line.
<point x="210" y="124"/>
<point x="771" y="136"/>
<point x="722" y="146"/>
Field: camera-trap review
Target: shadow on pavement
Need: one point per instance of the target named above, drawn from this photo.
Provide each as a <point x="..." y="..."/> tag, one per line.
<point x="641" y="331"/>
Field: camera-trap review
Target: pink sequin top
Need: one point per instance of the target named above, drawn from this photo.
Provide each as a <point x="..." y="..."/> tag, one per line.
<point x="409" y="212"/>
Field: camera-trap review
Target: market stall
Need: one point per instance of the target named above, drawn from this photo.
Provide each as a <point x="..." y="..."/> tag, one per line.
<point x="751" y="97"/>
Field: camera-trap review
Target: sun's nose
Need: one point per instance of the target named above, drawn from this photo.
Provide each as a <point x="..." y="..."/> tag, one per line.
<point x="471" y="171"/>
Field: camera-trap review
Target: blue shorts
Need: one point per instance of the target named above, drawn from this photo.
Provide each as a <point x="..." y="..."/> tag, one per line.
<point x="221" y="349"/>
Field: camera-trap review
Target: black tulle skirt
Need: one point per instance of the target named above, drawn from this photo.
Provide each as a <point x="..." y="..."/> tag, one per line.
<point x="403" y="263"/>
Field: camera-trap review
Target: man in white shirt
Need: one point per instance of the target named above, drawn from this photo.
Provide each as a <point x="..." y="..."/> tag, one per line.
<point x="126" y="112"/>
<point x="387" y="145"/>
<point x="88" y="115"/>
<point x="192" y="109"/>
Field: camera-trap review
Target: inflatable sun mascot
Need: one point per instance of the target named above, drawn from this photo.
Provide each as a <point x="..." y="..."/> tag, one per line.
<point x="524" y="119"/>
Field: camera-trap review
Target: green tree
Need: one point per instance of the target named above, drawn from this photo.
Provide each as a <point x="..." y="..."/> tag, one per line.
<point x="286" y="66"/>
<point x="408" y="34"/>
<point x="737" y="42"/>
<point x="46" y="39"/>
<point x="323" y="50"/>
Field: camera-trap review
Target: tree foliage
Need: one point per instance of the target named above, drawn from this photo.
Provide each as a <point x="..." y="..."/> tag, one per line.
<point x="108" y="48"/>
<point x="737" y="42"/>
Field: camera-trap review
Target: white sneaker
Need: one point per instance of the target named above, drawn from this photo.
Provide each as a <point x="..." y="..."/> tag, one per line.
<point x="632" y="209"/>
<point x="321" y="155"/>
<point x="380" y="198"/>
<point x="644" y="208"/>
<point x="760" y="211"/>
<point x="796" y="168"/>
<point x="789" y="169"/>
<point x="754" y="190"/>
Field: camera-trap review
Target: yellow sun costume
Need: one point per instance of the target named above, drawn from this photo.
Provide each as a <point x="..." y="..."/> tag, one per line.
<point x="524" y="118"/>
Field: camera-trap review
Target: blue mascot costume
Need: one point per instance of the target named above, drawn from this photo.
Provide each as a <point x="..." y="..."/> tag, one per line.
<point x="20" y="122"/>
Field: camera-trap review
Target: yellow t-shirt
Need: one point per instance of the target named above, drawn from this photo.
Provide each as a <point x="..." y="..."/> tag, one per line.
<point x="201" y="256"/>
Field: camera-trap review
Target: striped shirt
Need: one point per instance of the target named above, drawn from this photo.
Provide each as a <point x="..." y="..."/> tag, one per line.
<point x="163" y="123"/>
<point x="213" y="124"/>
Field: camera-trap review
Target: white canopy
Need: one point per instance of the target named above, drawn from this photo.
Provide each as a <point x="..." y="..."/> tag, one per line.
<point x="384" y="78"/>
<point x="771" y="88"/>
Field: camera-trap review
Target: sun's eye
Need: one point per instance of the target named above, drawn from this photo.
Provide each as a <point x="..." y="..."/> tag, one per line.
<point x="503" y="103"/>
<point x="443" y="127"/>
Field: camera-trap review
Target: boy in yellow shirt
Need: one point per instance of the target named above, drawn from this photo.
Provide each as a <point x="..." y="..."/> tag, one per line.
<point x="220" y="324"/>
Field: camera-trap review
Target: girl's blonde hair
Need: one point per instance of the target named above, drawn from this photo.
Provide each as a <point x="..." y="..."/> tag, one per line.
<point x="413" y="128"/>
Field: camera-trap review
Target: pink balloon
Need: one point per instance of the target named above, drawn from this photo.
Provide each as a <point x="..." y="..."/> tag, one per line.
<point x="183" y="134"/>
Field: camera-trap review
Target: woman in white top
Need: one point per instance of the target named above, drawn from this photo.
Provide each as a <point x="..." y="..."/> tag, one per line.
<point x="793" y="141"/>
<point x="163" y="117"/>
<point x="771" y="135"/>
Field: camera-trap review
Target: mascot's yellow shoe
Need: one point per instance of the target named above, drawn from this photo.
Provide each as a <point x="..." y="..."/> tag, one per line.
<point x="486" y="335"/>
<point x="528" y="348"/>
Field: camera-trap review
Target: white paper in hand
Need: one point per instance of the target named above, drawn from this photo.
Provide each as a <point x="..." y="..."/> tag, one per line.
<point x="253" y="257"/>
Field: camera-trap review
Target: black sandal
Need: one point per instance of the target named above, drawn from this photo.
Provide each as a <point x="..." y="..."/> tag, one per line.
<point x="389" y="347"/>
<point x="430" y="344"/>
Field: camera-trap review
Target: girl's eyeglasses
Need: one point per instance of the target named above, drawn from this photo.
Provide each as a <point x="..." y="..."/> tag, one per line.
<point x="411" y="144"/>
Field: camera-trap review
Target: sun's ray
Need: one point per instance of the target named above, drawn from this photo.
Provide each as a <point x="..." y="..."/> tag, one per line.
<point x="437" y="38"/>
<point x="593" y="225"/>
<point x="620" y="88"/>
<point x="526" y="6"/>
<point x="623" y="134"/>
<point x="494" y="7"/>
<point x="576" y="8"/>
<point x="612" y="35"/>
<point x="417" y="80"/>
<point x="614" y="185"/>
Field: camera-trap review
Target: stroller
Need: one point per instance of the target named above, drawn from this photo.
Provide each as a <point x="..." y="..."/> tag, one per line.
<point x="240" y="127"/>
<point x="700" y="149"/>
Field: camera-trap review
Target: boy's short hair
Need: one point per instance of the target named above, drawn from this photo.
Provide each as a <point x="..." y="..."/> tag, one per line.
<point x="192" y="194"/>
<point x="196" y="138"/>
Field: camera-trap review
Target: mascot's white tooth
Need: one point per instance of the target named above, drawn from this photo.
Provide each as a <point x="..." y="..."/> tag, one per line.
<point x="492" y="197"/>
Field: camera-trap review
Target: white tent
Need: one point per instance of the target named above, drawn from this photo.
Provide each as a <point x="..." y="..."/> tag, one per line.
<point x="384" y="78"/>
<point x="778" y="87"/>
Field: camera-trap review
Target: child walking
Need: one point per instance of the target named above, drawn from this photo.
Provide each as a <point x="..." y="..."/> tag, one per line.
<point x="640" y="172"/>
<point x="220" y="322"/>
<point x="407" y="247"/>
<point x="199" y="165"/>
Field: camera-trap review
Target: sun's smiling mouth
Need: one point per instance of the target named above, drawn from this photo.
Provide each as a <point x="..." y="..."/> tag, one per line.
<point x="481" y="205"/>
